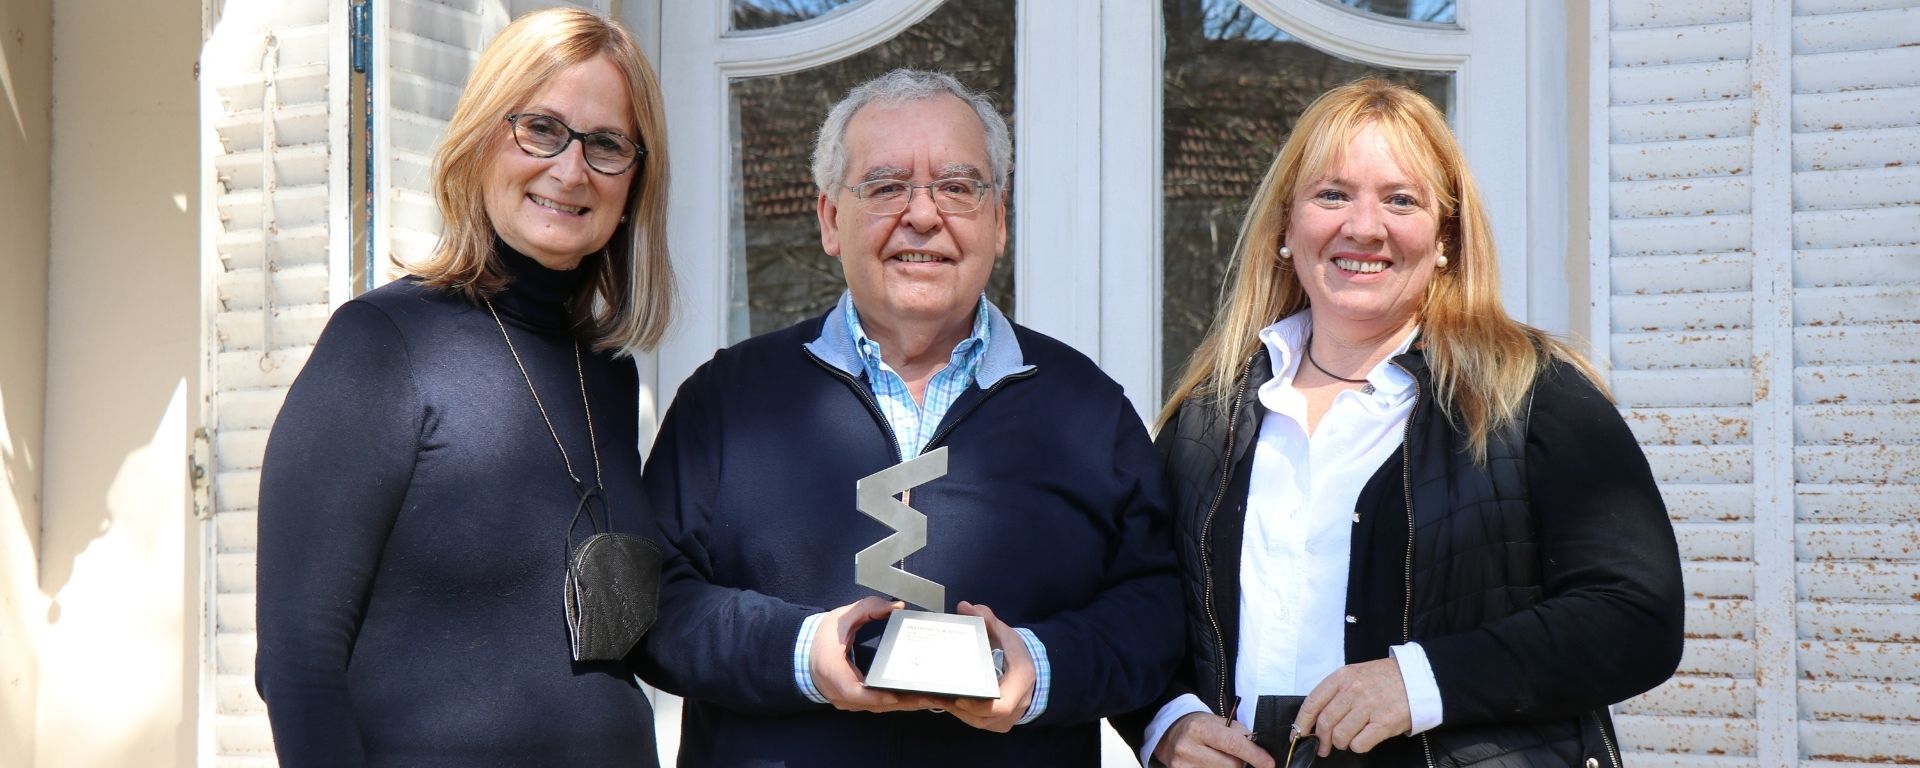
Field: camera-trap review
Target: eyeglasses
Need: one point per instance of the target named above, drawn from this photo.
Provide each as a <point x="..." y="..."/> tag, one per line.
<point x="545" y="136"/>
<point x="887" y="197"/>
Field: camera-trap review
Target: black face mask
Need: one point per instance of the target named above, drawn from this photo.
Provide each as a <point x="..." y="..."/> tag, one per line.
<point x="612" y="590"/>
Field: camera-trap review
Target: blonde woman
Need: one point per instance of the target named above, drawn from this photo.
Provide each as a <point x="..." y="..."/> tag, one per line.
<point x="1414" y="532"/>
<point x="427" y="595"/>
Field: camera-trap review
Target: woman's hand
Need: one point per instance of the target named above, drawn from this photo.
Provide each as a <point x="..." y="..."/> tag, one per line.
<point x="1357" y="707"/>
<point x="1206" y="740"/>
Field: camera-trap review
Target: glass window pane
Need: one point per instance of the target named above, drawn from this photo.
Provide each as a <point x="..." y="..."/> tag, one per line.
<point x="766" y="14"/>
<point x="1436" y="11"/>
<point x="1233" y="86"/>
<point x="780" y="275"/>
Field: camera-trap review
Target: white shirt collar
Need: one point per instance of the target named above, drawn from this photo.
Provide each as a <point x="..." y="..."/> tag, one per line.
<point x="1287" y="338"/>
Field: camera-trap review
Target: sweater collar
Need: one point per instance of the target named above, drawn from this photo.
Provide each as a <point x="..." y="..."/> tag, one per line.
<point x="1002" y="357"/>
<point x="536" y="297"/>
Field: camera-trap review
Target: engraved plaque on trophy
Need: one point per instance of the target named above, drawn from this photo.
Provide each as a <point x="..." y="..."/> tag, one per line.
<point x="921" y="651"/>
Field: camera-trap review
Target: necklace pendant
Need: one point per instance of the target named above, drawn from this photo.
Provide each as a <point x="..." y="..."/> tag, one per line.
<point x="1367" y="390"/>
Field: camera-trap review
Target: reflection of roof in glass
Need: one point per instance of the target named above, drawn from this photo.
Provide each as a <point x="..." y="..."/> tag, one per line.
<point x="1228" y="104"/>
<point x="779" y="116"/>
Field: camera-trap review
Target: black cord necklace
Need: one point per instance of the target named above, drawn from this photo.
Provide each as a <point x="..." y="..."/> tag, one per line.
<point x="593" y="442"/>
<point x="1331" y="374"/>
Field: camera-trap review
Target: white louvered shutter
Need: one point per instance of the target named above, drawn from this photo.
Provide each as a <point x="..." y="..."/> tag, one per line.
<point x="1757" y="297"/>
<point x="1676" y="325"/>
<point x="423" y="52"/>
<point x="1855" y="267"/>
<point x="275" y="154"/>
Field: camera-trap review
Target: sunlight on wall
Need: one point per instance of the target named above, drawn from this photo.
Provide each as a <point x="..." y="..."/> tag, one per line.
<point x="117" y="624"/>
<point x="20" y="603"/>
<point x="13" y="101"/>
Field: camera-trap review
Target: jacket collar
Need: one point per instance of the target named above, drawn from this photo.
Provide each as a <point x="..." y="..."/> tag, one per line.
<point x="1414" y="360"/>
<point x="1001" y="358"/>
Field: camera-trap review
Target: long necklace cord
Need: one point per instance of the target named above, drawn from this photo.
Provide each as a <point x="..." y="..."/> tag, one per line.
<point x="593" y="441"/>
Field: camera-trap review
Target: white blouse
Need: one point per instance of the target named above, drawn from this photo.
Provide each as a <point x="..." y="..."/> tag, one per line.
<point x="1299" y="524"/>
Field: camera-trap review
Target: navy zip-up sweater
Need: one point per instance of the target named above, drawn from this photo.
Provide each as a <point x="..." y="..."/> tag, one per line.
<point x="1051" y="513"/>
<point x="413" y="510"/>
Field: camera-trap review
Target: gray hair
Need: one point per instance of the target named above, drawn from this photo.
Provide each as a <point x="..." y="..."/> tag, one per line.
<point x="898" y="87"/>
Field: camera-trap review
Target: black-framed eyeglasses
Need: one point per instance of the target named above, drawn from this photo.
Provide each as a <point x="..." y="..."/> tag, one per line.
<point x="887" y="197"/>
<point x="545" y="136"/>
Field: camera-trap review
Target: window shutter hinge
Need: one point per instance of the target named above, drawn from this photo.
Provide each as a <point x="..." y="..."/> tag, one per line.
<point x="200" y="466"/>
<point x="361" y="30"/>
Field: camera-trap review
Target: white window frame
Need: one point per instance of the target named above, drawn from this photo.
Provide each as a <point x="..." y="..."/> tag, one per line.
<point x="1088" y="233"/>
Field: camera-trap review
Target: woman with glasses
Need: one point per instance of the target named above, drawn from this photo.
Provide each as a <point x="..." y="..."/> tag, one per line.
<point x="1414" y="531"/>
<point x="448" y="567"/>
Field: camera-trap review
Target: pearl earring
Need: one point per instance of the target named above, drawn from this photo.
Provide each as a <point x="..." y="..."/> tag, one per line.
<point x="1441" y="262"/>
<point x="1285" y="252"/>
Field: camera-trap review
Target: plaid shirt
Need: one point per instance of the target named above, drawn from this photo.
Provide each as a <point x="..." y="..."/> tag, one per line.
<point x="913" y="425"/>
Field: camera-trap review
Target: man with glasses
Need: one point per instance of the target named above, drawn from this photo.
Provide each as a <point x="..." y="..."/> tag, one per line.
<point x="1049" y="523"/>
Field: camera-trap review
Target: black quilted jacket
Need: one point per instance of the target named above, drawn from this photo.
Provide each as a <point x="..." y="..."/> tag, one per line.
<point x="1543" y="585"/>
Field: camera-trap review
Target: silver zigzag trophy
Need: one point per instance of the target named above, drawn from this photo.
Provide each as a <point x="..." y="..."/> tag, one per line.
<point x="925" y="651"/>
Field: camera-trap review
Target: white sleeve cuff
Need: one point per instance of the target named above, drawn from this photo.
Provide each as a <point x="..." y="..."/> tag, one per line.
<point x="1423" y="692"/>
<point x="803" y="659"/>
<point x="1186" y="704"/>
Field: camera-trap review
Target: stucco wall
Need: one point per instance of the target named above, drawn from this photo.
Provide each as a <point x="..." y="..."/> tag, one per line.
<point x="26" y="60"/>
<point x="119" y="652"/>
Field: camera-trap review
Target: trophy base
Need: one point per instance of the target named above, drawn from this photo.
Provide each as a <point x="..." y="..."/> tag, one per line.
<point x="941" y="654"/>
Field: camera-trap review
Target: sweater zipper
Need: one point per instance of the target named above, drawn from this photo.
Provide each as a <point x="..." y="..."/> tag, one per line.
<point x="942" y="433"/>
<point x="1206" y="533"/>
<point x="865" y="397"/>
<point x="873" y="406"/>
<point x="1406" y="495"/>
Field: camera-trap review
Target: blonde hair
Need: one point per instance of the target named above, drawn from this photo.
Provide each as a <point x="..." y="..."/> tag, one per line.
<point x="1483" y="362"/>
<point x="632" y="281"/>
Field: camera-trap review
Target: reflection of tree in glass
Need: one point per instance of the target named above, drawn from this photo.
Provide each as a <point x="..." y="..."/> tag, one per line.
<point x="1233" y="86"/>
<point x="1435" y="11"/>
<point x="1230" y="20"/>
<point x="788" y="277"/>
<point x="763" y="14"/>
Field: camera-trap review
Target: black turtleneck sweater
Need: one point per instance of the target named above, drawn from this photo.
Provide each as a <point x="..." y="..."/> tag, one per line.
<point x="411" y="555"/>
